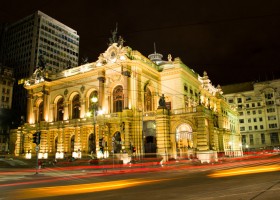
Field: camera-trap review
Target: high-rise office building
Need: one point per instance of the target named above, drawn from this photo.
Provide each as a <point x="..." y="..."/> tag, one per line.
<point x="37" y="41"/>
<point x="258" y="105"/>
<point x="6" y="90"/>
<point x="2" y="31"/>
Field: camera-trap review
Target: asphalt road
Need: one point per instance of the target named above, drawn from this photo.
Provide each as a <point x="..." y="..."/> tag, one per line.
<point x="246" y="180"/>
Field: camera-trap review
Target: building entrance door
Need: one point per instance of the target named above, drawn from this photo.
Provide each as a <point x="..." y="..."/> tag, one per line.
<point x="149" y="138"/>
<point x="150" y="146"/>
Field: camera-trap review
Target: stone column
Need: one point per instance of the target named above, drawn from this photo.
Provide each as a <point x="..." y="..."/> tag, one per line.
<point x="66" y="109"/>
<point x="101" y="94"/>
<point x="134" y="80"/>
<point x="46" y="104"/>
<point x="125" y="129"/>
<point x="51" y="111"/>
<point x="60" y="141"/>
<point x="126" y="135"/>
<point x="126" y="74"/>
<point x="163" y="133"/>
<point x="43" y="142"/>
<point x="30" y="114"/>
<point x="202" y="143"/>
<point x="83" y="108"/>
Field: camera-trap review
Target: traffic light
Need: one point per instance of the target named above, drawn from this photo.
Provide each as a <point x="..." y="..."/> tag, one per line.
<point x="133" y="149"/>
<point x="37" y="137"/>
<point x="101" y="147"/>
<point x="100" y="142"/>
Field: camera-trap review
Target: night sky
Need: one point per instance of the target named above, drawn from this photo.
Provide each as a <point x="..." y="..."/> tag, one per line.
<point x="234" y="41"/>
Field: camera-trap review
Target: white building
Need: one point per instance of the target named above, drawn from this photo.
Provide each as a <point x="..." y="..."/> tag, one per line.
<point x="259" y="112"/>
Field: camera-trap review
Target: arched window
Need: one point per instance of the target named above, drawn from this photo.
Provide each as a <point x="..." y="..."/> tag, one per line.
<point x="118" y="99"/>
<point x="41" y="112"/>
<point x="148" y="100"/>
<point x="93" y="94"/>
<point x="60" y="109"/>
<point x="76" y="107"/>
<point x="184" y="136"/>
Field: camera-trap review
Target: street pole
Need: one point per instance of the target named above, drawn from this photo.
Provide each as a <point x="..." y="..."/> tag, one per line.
<point x="37" y="166"/>
<point x="94" y="100"/>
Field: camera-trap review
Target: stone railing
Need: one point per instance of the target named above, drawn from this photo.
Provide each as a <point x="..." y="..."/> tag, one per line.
<point x="183" y="110"/>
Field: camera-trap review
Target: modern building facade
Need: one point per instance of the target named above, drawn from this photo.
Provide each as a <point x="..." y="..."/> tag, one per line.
<point x="151" y="106"/>
<point x="258" y="105"/>
<point x="6" y="90"/>
<point x="37" y="41"/>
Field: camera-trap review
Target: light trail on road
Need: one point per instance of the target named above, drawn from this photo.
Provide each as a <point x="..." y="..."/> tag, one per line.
<point x="245" y="170"/>
<point x="79" y="189"/>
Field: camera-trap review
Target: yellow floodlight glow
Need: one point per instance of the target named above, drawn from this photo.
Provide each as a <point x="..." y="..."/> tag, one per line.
<point x="94" y="99"/>
<point x="88" y="114"/>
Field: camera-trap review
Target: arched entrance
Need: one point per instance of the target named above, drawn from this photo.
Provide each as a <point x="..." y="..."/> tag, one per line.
<point x="117" y="146"/>
<point x="149" y="134"/>
<point x="184" y="141"/>
<point x="91" y="144"/>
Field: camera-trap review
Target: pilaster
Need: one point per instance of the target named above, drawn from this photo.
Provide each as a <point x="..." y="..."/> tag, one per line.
<point x="163" y="133"/>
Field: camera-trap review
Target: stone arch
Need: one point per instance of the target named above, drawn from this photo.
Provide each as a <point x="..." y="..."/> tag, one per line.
<point x="57" y="98"/>
<point x="177" y="123"/>
<point x="38" y="101"/>
<point x="73" y="94"/>
<point x="173" y="129"/>
<point x="184" y="136"/>
<point x="184" y="141"/>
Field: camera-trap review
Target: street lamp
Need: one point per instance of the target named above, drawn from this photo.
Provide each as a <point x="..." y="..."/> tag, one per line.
<point x="94" y="101"/>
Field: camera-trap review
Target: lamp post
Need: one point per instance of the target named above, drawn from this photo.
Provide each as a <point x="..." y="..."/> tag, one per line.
<point x="94" y="101"/>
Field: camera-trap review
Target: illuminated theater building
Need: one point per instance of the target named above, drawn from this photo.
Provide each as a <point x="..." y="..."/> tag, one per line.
<point x="146" y="105"/>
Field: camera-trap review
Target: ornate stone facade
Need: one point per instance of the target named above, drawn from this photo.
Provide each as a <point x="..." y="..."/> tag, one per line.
<point x="193" y="120"/>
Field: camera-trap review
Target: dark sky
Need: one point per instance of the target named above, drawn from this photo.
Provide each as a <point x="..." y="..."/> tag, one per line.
<point x="234" y="41"/>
